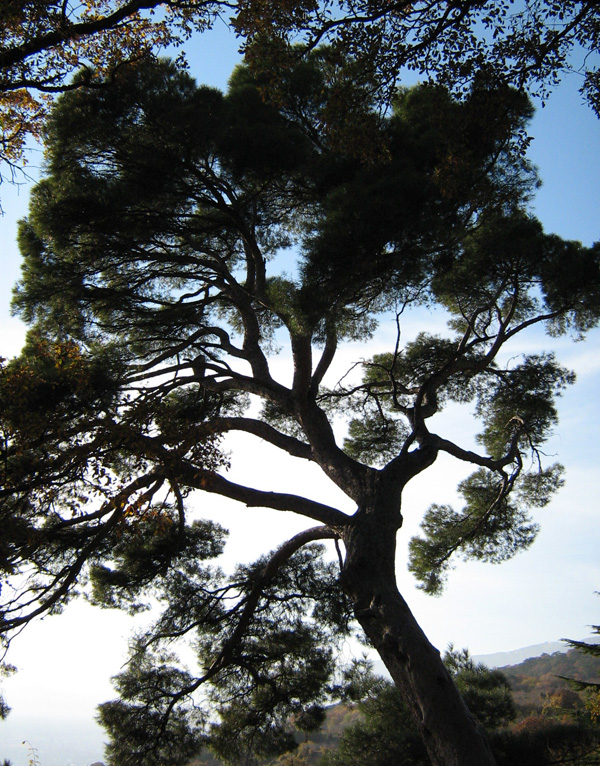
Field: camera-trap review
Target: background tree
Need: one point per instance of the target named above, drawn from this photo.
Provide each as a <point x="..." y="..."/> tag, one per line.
<point x="543" y="741"/>
<point x="486" y="691"/>
<point x="385" y="735"/>
<point x="44" y="42"/>
<point x="528" y="44"/>
<point x="592" y="688"/>
<point x="152" y="285"/>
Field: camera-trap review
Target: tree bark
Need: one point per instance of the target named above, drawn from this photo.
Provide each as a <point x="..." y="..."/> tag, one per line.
<point x="449" y="731"/>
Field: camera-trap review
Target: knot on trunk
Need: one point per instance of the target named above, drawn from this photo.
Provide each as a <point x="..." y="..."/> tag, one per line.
<point x="371" y="612"/>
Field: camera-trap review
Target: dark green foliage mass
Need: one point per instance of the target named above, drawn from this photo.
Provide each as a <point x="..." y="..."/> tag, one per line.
<point x="178" y="238"/>
<point x="527" y="45"/>
<point x="543" y="742"/>
<point x="385" y="735"/>
<point x="486" y="691"/>
<point x="277" y="663"/>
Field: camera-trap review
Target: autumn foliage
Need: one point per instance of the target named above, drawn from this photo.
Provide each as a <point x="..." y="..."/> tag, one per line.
<point x="44" y="42"/>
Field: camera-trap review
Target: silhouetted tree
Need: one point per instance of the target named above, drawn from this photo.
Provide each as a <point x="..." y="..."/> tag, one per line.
<point x="151" y="284"/>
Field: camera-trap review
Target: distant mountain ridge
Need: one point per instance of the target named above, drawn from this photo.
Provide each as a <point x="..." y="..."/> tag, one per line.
<point x="516" y="656"/>
<point x="505" y="659"/>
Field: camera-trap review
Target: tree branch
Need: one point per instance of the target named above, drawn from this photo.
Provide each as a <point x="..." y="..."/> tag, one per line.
<point x="262" y="579"/>
<point x="67" y="32"/>
<point x="209" y="481"/>
<point x="445" y="445"/>
<point x="116" y="507"/>
<point x="264" y="431"/>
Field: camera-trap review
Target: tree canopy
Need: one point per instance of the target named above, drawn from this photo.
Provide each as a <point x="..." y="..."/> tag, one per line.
<point x="528" y="44"/>
<point x="179" y="238"/>
<point x="44" y="42"/>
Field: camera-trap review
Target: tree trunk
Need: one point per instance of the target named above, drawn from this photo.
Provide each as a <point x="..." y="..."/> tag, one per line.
<point x="450" y="733"/>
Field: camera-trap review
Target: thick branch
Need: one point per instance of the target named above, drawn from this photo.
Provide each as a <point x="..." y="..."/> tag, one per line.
<point x="266" y="574"/>
<point x="209" y="481"/>
<point x="289" y="444"/>
<point x="473" y="457"/>
<point x="67" y="32"/>
<point x="325" y="361"/>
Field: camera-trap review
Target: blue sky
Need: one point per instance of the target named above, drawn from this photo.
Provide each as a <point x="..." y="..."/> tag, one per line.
<point x="544" y="594"/>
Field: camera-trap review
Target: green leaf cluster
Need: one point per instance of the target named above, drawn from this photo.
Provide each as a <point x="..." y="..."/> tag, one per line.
<point x="518" y="403"/>
<point x="493" y="525"/>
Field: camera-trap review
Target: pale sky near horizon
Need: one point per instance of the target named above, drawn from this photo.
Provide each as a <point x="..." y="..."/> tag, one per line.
<point x="543" y="594"/>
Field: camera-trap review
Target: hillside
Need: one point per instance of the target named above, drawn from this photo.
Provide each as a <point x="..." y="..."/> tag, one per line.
<point x="537" y="680"/>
